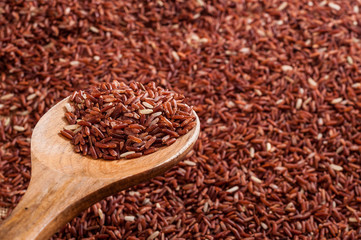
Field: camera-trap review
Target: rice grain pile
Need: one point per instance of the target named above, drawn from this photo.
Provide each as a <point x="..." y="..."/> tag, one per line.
<point x="119" y="120"/>
<point x="276" y="85"/>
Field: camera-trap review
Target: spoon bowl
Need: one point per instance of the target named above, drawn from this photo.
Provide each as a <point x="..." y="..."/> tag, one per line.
<point x="64" y="183"/>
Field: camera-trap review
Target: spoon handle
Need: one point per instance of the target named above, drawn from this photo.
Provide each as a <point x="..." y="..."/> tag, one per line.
<point x="51" y="200"/>
<point x="54" y="198"/>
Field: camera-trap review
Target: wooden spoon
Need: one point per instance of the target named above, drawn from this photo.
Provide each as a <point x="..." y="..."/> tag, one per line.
<point x="64" y="183"/>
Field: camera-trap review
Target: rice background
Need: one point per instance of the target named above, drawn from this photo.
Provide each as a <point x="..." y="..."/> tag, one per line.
<point x="276" y="85"/>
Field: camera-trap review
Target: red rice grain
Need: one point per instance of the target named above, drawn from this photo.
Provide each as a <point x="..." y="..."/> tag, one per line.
<point x="276" y="85"/>
<point x="116" y="131"/>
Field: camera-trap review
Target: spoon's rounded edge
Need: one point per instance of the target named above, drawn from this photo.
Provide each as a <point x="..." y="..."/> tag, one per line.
<point x="49" y="148"/>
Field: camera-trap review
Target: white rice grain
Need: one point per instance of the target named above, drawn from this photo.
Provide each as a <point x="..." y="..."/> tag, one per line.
<point x="256" y="179"/>
<point x="312" y="82"/>
<point x="19" y="128"/>
<point x="129" y="218"/>
<point x="190" y="163"/>
<point x="349" y="60"/>
<point x="336" y="100"/>
<point x="336" y="167"/>
<point x="279" y="101"/>
<point x="233" y="189"/>
<point x="126" y="154"/>
<point x="94" y="29"/>
<point x="145" y="111"/>
<point x="282" y="6"/>
<point x="153" y="236"/>
<point x="286" y="68"/>
<point x="147" y="105"/>
<point x="31" y="96"/>
<point x="299" y="103"/>
<point x="264" y="226"/>
<point x="356" y="85"/>
<point x="334" y="6"/>
<point x="7" y="96"/>
<point x="74" y="63"/>
<point x="245" y="50"/>
<point x="156" y="114"/>
<point x="175" y="56"/>
<point x="71" y="127"/>
<point x="69" y="107"/>
<point x="251" y="152"/>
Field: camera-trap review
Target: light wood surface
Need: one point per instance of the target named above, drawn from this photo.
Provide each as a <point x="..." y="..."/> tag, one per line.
<point x="64" y="183"/>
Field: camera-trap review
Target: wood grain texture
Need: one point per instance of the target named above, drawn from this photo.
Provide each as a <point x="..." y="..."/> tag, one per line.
<point x="64" y="183"/>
